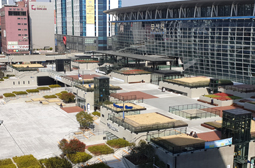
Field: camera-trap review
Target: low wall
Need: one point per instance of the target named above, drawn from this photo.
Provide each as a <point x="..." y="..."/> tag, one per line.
<point x="239" y="94"/>
<point x="128" y="164"/>
<point x="191" y="92"/>
<point x="85" y="66"/>
<point x="249" y="106"/>
<point x="219" y="102"/>
<point x="132" y="78"/>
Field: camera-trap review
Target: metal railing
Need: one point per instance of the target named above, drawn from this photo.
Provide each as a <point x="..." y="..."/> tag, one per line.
<point x="201" y="111"/>
<point x="137" y="129"/>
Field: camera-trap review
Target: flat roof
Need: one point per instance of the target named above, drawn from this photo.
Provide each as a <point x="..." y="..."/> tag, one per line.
<point x="152" y="58"/>
<point x="102" y="77"/>
<point x="152" y="119"/>
<point x="210" y="136"/>
<point x="237" y="111"/>
<point x="174" y="4"/>
<point x="135" y="107"/>
<point x="180" y="140"/>
<point x="193" y="79"/>
<point x="27" y="65"/>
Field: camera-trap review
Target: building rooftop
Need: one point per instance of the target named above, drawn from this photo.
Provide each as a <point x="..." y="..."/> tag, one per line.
<point x="237" y="111"/>
<point x="135" y="107"/>
<point x="101" y="77"/>
<point x="210" y="136"/>
<point x="174" y="4"/>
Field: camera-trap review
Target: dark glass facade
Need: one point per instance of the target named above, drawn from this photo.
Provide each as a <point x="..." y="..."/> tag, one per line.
<point x="102" y="31"/>
<point x="63" y="13"/>
<point x="216" y="43"/>
<point x="83" y="17"/>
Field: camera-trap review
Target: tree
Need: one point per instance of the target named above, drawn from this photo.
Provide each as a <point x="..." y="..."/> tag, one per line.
<point x="1" y="74"/>
<point x="67" y="97"/>
<point x="71" y="147"/>
<point x="84" y="118"/>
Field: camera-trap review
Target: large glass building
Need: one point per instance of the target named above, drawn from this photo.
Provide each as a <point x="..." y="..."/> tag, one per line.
<point x="84" y="23"/>
<point x="211" y="38"/>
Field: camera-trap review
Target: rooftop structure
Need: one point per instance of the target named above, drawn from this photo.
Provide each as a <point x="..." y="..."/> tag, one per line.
<point x="202" y="34"/>
<point x="199" y="81"/>
<point x="241" y="88"/>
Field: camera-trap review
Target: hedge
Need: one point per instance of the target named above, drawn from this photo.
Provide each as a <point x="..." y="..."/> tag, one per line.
<point x="43" y="88"/>
<point x="118" y="143"/>
<point x="6" y="77"/>
<point x="79" y="157"/>
<point x="98" y="165"/>
<point x="56" y="162"/>
<point x="54" y="86"/>
<point x="1" y="79"/>
<point x="96" y="113"/>
<point x="49" y="96"/>
<point x="19" y="92"/>
<point x="9" y="95"/>
<point x="7" y="163"/>
<point x="32" y="91"/>
<point x="27" y="161"/>
<point x="100" y="149"/>
<point x="10" y="75"/>
<point x="64" y="92"/>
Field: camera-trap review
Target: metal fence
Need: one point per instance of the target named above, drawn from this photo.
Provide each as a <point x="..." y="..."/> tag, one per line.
<point x="137" y="129"/>
<point x="201" y="111"/>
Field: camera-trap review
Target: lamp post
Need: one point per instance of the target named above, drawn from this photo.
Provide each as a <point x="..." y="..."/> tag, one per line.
<point x="2" y="123"/>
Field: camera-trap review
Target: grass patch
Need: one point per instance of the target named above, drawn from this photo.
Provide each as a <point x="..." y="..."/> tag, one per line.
<point x="98" y="165"/>
<point x="211" y="96"/>
<point x="49" y="96"/>
<point x="9" y="95"/>
<point x="32" y="91"/>
<point x="43" y="88"/>
<point x="118" y="143"/>
<point x="96" y="113"/>
<point x="27" y="161"/>
<point x="6" y="77"/>
<point x="100" y="150"/>
<point x="234" y="97"/>
<point x="19" y="92"/>
<point x="64" y="92"/>
<point x="79" y="157"/>
<point x="1" y="79"/>
<point x="54" y="86"/>
<point x="56" y="162"/>
<point x="7" y="163"/>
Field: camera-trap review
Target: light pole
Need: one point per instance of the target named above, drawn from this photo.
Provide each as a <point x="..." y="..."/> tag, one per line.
<point x="2" y="123"/>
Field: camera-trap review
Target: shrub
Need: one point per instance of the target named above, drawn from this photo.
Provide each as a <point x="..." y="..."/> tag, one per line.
<point x="7" y="163"/>
<point x="67" y="97"/>
<point x="84" y="119"/>
<point x="58" y="94"/>
<point x="72" y="147"/>
<point x="6" y="77"/>
<point x="100" y="149"/>
<point x="56" y="162"/>
<point x="96" y="113"/>
<point x="32" y="91"/>
<point x="118" y="143"/>
<point x="19" y="92"/>
<point x="1" y="79"/>
<point x="9" y="95"/>
<point x="43" y="88"/>
<point x="98" y="165"/>
<point x="107" y="102"/>
<point x="27" y="161"/>
<point x="49" y="96"/>
<point x="79" y="157"/>
<point x="10" y="75"/>
<point x="54" y="86"/>
<point x="64" y="92"/>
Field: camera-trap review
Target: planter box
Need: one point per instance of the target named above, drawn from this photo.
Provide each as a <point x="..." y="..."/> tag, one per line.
<point x="219" y="102"/>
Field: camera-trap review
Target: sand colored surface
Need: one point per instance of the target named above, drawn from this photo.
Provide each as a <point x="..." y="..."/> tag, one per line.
<point x="133" y="95"/>
<point x="38" y="99"/>
<point x="147" y="119"/>
<point x="54" y="100"/>
<point x="60" y="103"/>
<point x="219" y="121"/>
<point x="73" y="109"/>
<point x="87" y="86"/>
<point x="181" y="140"/>
<point x="193" y="79"/>
<point x="28" y="65"/>
<point x="28" y="101"/>
<point x="45" y="102"/>
<point x="135" y="107"/>
<point x="252" y="126"/>
<point x="194" y="111"/>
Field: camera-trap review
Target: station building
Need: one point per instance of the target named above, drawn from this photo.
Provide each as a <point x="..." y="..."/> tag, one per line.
<point x="209" y="38"/>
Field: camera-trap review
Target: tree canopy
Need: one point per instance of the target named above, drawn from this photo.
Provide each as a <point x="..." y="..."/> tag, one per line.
<point x="84" y="118"/>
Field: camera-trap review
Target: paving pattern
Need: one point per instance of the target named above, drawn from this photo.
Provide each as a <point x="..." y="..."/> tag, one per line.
<point x="72" y="109"/>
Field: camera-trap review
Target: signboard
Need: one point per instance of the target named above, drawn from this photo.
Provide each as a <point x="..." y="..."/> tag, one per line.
<point x="90" y="12"/>
<point x="38" y="7"/>
<point x="88" y="107"/>
<point x="219" y="143"/>
<point x="12" y="43"/>
<point x="18" y="47"/>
